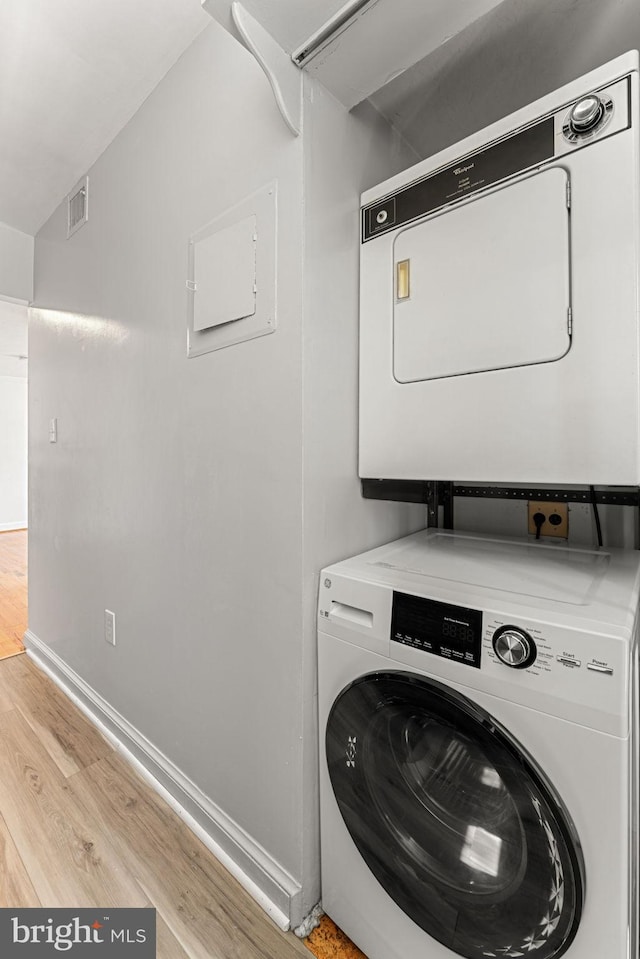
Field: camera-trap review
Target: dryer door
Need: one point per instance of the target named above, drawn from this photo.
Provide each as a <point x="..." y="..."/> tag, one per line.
<point x="454" y="819"/>
<point x="485" y="285"/>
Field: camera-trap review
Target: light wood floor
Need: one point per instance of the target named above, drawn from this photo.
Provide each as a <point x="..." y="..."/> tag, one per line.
<point x="78" y="827"/>
<point x="13" y="591"/>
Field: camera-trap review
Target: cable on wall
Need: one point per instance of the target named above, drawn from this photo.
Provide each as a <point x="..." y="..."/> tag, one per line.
<point x="596" y="515"/>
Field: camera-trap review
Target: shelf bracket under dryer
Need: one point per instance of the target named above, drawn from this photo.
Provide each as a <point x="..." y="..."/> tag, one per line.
<point x="439" y="493"/>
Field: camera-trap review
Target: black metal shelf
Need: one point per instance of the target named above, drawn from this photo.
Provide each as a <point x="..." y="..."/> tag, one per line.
<point x="607" y="495"/>
<point x="436" y="493"/>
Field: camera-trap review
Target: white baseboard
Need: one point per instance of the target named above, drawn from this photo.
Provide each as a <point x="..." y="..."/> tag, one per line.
<point x="263" y="878"/>
<point x="9" y="527"/>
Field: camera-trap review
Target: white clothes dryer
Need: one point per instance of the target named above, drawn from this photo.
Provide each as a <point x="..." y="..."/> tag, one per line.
<point x="478" y="749"/>
<point x="499" y="304"/>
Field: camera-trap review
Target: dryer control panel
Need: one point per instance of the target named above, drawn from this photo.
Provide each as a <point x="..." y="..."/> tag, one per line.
<point x="576" y="125"/>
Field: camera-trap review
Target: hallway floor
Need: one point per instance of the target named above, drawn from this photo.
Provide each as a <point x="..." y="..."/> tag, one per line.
<point x="13" y="591"/>
<point x="78" y="827"/>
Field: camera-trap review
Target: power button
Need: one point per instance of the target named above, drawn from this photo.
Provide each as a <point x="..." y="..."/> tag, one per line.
<point x="381" y="216"/>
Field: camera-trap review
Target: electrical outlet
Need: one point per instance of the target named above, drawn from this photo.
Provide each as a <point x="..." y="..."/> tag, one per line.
<point x="556" y="518"/>
<point x="110" y="627"/>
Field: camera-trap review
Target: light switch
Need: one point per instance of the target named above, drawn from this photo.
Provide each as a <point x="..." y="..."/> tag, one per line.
<point x="110" y="627"/>
<point x="53" y="430"/>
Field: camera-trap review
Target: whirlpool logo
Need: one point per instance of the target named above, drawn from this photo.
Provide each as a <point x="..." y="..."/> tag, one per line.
<point x="35" y="933"/>
<point x="463" y="169"/>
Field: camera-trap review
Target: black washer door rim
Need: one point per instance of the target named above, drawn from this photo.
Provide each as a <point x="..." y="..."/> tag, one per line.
<point x="453" y="817"/>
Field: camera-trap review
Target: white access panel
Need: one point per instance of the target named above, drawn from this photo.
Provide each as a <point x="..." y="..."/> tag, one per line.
<point x="225" y="275"/>
<point x="489" y="283"/>
<point x="231" y="275"/>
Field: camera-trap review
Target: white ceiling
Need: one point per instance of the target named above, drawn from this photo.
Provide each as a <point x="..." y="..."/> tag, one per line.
<point x="72" y="73"/>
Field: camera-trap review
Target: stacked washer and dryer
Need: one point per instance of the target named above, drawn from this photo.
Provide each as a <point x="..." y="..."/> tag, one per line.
<point x="478" y="696"/>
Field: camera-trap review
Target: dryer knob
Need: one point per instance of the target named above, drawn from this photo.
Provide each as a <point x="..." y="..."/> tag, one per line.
<point x="514" y="647"/>
<point x="586" y="114"/>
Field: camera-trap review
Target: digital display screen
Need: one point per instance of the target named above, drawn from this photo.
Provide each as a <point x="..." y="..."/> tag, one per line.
<point x="452" y="632"/>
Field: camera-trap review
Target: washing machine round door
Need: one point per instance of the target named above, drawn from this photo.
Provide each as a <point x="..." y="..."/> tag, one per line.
<point x="454" y="818"/>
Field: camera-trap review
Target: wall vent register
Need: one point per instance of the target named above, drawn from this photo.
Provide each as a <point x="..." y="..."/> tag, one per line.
<point x="78" y="206"/>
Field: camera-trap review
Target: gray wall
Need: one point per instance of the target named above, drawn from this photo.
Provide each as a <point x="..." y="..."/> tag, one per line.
<point x="344" y="154"/>
<point x="197" y="499"/>
<point x="173" y="496"/>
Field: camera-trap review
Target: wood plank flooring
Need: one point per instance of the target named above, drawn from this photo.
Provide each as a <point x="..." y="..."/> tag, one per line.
<point x="79" y="827"/>
<point x="13" y="591"/>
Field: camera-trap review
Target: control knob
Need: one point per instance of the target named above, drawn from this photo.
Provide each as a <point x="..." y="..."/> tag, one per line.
<point x="586" y="114"/>
<point x="514" y="647"/>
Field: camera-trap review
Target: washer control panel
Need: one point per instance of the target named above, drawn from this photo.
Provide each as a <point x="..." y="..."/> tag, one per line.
<point x="570" y="654"/>
<point x="474" y="637"/>
<point x="576" y="672"/>
<point x="546" y="650"/>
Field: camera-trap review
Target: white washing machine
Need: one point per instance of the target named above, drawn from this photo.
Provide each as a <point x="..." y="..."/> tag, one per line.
<point x="478" y="749"/>
<point x="499" y="299"/>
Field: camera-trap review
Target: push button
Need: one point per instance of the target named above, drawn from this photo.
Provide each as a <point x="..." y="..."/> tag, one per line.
<point x="597" y="668"/>
<point x="380" y="217"/>
<point x="569" y="662"/>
